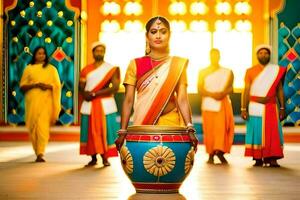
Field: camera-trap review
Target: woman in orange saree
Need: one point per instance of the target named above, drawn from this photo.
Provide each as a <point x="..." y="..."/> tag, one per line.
<point x="161" y="85"/>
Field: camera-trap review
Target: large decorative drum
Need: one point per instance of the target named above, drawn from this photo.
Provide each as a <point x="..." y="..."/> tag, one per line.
<point x="157" y="159"/>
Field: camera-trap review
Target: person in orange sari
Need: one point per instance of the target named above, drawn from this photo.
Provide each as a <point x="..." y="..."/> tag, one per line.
<point x="215" y="85"/>
<point x="263" y="86"/>
<point x="98" y="83"/>
<point x="161" y="85"/>
<point x="41" y="85"/>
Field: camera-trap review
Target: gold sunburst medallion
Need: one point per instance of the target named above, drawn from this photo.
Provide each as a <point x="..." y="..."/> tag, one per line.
<point x="126" y="160"/>
<point x="189" y="161"/>
<point x="159" y="160"/>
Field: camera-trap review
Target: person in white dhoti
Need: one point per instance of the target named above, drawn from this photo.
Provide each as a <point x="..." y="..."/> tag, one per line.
<point x="98" y="83"/>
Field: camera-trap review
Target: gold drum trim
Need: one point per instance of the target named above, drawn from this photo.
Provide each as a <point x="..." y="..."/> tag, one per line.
<point x="152" y="129"/>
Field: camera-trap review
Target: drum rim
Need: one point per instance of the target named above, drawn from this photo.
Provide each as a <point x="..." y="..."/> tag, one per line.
<point x="157" y="129"/>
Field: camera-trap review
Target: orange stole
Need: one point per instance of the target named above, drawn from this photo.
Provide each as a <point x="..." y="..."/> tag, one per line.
<point x="218" y="128"/>
<point x="176" y="68"/>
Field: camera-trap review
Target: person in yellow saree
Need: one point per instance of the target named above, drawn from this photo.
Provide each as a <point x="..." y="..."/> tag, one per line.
<point x="263" y="86"/>
<point x="98" y="129"/>
<point x="161" y="85"/>
<point x="41" y="85"/>
<point x="215" y="85"/>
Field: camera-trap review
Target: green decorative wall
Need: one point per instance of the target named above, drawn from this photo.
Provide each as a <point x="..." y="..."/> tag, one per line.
<point x="288" y="56"/>
<point x="40" y="23"/>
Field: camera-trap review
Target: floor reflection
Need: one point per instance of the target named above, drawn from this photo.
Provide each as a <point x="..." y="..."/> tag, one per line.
<point x="142" y="196"/>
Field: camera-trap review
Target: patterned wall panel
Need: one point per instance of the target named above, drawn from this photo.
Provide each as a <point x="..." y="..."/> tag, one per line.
<point x="289" y="56"/>
<point x="40" y="23"/>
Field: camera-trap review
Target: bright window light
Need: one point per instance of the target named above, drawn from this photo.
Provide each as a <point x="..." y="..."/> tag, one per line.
<point x="199" y="26"/>
<point x="111" y="8"/>
<point x="198" y="8"/>
<point x="241" y="8"/>
<point x="223" y="8"/>
<point x="122" y="46"/>
<point x="133" y="8"/>
<point x="178" y="26"/>
<point x="110" y="26"/>
<point x="243" y="25"/>
<point x="222" y="25"/>
<point x="236" y="52"/>
<point x="235" y="48"/>
<point x="195" y="46"/>
<point x="177" y="8"/>
<point x="133" y="26"/>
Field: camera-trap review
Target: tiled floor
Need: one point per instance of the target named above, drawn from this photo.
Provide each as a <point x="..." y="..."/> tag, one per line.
<point x="64" y="176"/>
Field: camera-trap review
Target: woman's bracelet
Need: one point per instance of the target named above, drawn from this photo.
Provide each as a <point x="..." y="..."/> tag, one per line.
<point x="282" y="108"/>
<point x="122" y="132"/>
<point x="243" y="109"/>
<point x="190" y="124"/>
<point x="190" y="128"/>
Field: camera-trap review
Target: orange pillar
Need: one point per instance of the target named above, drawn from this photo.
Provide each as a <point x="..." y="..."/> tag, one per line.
<point x="93" y="26"/>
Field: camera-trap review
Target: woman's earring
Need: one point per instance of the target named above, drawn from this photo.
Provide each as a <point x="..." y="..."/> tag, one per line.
<point x="148" y="49"/>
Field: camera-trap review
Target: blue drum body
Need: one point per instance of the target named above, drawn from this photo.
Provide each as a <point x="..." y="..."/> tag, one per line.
<point x="157" y="159"/>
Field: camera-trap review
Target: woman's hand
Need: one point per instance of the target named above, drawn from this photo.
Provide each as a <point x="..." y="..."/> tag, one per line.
<point x="120" y="140"/>
<point x="44" y="86"/>
<point x="194" y="141"/>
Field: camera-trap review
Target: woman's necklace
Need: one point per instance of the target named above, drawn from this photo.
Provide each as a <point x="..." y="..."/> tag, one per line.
<point x="154" y="63"/>
<point x="159" y="58"/>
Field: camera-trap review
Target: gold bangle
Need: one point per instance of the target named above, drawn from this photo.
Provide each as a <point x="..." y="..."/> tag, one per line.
<point x="243" y="109"/>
